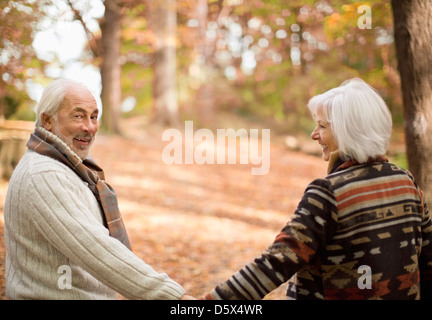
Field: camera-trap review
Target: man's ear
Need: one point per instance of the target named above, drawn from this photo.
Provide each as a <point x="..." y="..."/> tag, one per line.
<point x="47" y="122"/>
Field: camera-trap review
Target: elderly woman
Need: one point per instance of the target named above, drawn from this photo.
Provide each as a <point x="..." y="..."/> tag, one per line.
<point x="363" y="232"/>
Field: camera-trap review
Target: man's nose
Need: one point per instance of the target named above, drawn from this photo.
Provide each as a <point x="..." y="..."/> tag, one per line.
<point x="90" y="126"/>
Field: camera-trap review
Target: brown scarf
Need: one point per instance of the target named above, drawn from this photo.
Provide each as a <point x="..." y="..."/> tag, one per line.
<point x="43" y="142"/>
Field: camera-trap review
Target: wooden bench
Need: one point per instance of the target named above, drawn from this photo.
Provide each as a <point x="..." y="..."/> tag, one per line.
<point x="13" y="138"/>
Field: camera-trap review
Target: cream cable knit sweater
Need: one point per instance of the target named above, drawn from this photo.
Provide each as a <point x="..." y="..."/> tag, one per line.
<point x="58" y="247"/>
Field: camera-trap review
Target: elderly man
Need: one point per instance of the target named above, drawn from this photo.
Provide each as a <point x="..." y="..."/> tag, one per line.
<point x="64" y="234"/>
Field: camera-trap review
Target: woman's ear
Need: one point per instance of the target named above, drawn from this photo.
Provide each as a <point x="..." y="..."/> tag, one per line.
<point x="47" y="122"/>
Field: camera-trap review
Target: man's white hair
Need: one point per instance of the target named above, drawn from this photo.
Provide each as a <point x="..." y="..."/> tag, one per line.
<point x="52" y="97"/>
<point x="360" y="119"/>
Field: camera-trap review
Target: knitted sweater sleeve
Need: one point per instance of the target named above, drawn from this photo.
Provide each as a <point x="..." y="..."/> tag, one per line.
<point x="295" y="246"/>
<point x="65" y="221"/>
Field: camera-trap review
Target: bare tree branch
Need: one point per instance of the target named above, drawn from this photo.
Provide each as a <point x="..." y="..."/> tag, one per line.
<point x="93" y="42"/>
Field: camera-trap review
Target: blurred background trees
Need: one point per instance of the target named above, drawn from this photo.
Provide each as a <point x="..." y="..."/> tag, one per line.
<point x="413" y="34"/>
<point x="18" y="61"/>
<point x="195" y="58"/>
<point x="170" y="61"/>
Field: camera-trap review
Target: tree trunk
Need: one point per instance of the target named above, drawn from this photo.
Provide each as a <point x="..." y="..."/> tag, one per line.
<point x="205" y="95"/>
<point x="413" y="35"/>
<point x="164" y="25"/>
<point x="2" y="102"/>
<point x="110" y="68"/>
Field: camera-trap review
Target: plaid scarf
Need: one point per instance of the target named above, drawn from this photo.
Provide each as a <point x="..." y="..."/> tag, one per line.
<point x="47" y="144"/>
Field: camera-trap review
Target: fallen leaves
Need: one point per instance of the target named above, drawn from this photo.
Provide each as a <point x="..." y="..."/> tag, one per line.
<point x="197" y="223"/>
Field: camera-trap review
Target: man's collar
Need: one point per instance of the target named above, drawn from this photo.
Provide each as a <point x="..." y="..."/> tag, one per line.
<point x="42" y="131"/>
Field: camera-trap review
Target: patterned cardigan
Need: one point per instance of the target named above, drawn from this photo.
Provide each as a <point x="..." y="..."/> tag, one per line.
<point x="363" y="232"/>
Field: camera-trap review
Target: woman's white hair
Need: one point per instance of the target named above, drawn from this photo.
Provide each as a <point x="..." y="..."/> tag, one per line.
<point x="52" y="97"/>
<point x="360" y="120"/>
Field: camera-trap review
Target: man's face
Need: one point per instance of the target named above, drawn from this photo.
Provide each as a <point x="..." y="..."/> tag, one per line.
<point x="76" y="122"/>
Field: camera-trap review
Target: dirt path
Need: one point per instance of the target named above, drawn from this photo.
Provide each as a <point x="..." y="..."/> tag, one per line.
<point x="198" y="223"/>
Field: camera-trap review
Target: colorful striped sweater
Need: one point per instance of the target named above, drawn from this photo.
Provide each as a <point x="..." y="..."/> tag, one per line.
<point x="363" y="232"/>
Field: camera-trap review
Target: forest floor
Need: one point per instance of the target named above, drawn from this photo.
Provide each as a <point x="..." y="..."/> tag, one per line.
<point x="197" y="223"/>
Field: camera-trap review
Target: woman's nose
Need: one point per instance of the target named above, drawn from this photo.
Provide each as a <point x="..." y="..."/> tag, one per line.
<point x="315" y="135"/>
